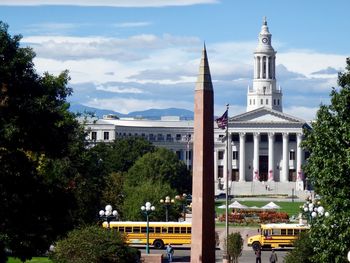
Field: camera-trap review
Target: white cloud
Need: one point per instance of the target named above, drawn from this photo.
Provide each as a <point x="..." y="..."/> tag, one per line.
<point x="117" y="89"/>
<point x="132" y="24"/>
<point x="307" y="62"/>
<point x="111" y="3"/>
<point x="305" y="113"/>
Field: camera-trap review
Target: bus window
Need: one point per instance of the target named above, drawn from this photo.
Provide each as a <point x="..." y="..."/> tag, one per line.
<point x="143" y="229"/>
<point x="121" y="229"/>
<point x="266" y="232"/>
<point x="164" y="230"/>
<point x="182" y="229"/>
<point x="170" y="230"/>
<point x="157" y="229"/>
<point x="176" y="230"/>
<point x="276" y="232"/>
<point x="296" y="232"/>
<point x="283" y="232"/>
<point x="136" y="229"/>
<point x="128" y="229"/>
<point x="189" y="230"/>
<point x="290" y="232"/>
<point x="151" y="229"/>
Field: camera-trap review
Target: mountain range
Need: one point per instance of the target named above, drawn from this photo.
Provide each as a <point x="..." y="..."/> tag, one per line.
<point x="153" y="114"/>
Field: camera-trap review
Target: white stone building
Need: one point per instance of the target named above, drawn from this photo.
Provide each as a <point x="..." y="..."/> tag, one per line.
<point x="264" y="153"/>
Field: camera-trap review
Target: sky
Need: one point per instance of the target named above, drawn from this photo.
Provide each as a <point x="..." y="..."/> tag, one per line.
<point x="131" y="55"/>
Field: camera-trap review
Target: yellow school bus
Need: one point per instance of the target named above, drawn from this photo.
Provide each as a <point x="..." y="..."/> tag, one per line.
<point x="276" y="235"/>
<point x="160" y="233"/>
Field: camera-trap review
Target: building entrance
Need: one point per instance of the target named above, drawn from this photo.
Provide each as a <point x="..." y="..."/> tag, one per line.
<point x="263" y="167"/>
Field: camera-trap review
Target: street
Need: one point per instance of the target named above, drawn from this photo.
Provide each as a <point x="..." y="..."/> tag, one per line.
<point x="182" y="254"/>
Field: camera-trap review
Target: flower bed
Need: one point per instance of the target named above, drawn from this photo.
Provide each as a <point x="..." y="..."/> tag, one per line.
<point x="255" y="216"/>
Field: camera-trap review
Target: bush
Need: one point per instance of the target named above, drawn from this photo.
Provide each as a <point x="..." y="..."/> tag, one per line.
<point x="234" y="246"/>
<point x="93" y="244"/>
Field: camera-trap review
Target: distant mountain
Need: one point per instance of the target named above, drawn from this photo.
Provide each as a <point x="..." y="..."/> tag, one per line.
<point x="157" y="113"/>
<point x="153" y="114"/>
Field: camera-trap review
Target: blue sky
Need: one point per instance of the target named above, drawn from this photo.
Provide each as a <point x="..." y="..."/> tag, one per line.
<point x="128" y="55"/>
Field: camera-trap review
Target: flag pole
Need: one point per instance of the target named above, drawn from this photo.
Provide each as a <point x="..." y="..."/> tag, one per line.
<point x="227" y="174"/>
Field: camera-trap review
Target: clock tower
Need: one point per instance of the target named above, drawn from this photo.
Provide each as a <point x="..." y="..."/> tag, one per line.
<point x="264" y="92"/>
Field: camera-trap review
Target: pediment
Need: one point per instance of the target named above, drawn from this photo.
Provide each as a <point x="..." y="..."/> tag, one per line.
<point x="265" y="115"/>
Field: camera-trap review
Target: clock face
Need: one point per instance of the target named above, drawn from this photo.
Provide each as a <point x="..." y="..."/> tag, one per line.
<point x="265" y="40"/>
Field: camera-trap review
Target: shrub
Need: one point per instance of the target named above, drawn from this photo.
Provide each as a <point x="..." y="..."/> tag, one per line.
<point x="235" y="246"/>
<point x="93" y="244"/>
<point x="303" y="250"/>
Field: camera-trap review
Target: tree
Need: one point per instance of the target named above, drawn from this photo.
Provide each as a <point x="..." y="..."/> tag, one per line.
<point x="147" y="191"/>
<point x="36" y="129"/>
<point x="328" y="168"/>
<point x="162" y="165"/>
<point x="93" y="244"/>
<point x="302" y="252"/>
<point x="234" y="246"/>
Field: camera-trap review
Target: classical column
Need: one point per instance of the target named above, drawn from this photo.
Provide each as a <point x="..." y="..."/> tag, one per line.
<point x="229" y="156"/>
<point x="216" y="179"/>
<point x="255" y="68"/>
<point x="242" y="157"/>
<point x="285" y="159"/>
<point x="299" y="158"/>
<point x="271" y="157"/>
<point x="256" y="157"/>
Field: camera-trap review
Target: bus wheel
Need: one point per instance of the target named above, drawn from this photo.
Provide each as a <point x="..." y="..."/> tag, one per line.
<point x="256" y="246"/>
<point x="158" y="244"/>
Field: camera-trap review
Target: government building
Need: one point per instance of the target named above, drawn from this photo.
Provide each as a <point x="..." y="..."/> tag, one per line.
<point x="263" y="153"/>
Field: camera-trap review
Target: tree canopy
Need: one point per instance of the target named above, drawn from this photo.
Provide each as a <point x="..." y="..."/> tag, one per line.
<point x="328" y="168"/>
<point x="35" y="129"/>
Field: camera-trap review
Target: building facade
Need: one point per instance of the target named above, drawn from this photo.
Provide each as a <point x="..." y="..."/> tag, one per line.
<point x="264" y="154"/>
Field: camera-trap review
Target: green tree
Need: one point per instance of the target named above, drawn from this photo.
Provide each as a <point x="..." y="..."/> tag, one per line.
<point x="161" y="165"/>
<point x="93" y="244"/>
<point x="302" y="252"/>
<point x="35" y="127"/>
<point x="148" y="191"/>
<point x="328" y="168"/>
<point x="234" y="246"/>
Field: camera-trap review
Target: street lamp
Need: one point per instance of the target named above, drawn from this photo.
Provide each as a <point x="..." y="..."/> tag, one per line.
<point x="313" y="209"/>
<point x="183" y="200"/>
<point x="108" y="214"/>
<point x="147" y="209"/>
<point x="167" y="203"/>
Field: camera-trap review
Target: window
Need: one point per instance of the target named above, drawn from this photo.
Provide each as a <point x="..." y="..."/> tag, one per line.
<point x="235" y="137"/>
<point x="261" y="101"/>
<point x="106" y="136"/>
<point x="178" y="137"/>
<point x="292" y="155"/>
<point x="221" y="155"/>
<point x="168" y="137"/>
<point x="278" y="102"/>
<point x="151" y="137"/>
<point x="220" y="171"/>
<point x="290" y="232"/>
<point x="267" y="101"/>
<point x="160" y="137"/>
<point x="283" y="232"/>
<point x="253" y="101"/>
<point x="292" y="137"/>
<point x="94" y="136"/>
<point x="178" y="154"/>
<point x="235" y="155"/>
<point x="250" y="101"/>
<point x="274" y="101"/>
<point x="136" y="229"/>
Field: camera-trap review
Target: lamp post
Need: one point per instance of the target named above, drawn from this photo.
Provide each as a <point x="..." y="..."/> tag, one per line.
<point x="147" y="209"/>
<point x="108" y="214"/>
<point x="313" y="209"/>
<point x="167" y="203"/>
<point x="183" y="200"/>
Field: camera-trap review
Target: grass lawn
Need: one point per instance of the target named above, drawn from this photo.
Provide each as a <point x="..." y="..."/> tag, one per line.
<point x="292" y="208"/>
<point x="34" y="260"/>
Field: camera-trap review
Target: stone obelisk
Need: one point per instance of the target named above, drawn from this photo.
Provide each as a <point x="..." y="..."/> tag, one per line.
<point x="203" y="213"/>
